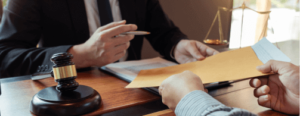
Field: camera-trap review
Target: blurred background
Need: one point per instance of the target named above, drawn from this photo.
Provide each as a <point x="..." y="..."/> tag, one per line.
<point x="194" y="17"/>
<point x="283" y="23"/>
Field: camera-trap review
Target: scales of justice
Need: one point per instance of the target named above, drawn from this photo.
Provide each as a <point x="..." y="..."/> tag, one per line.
<point x="221" y="40"/>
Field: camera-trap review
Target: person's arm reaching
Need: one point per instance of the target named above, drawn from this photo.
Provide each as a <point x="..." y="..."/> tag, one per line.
<point x="164" y="34"/>
<point x="169" y="41"/>
<point x="21" y="29"/>
<point x="184" y="94"/>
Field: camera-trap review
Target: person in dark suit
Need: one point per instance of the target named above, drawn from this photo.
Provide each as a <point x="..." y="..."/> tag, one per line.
<point x="74" y="26"/>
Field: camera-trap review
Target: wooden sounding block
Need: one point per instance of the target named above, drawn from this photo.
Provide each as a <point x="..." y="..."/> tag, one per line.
<point x="68" y="97"/>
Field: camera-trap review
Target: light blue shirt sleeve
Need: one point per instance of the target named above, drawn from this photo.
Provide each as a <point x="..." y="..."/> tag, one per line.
<point x="199" y="103"/>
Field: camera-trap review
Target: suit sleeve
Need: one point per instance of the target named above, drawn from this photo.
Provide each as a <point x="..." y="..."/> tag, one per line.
<point x="164" y="34"/>
<point x="20" y="32"/>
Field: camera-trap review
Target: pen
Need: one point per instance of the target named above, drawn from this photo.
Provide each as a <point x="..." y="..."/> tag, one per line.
<point x="135" y="33"/>
<point x="38" y="76"/>
<point x="218" y="85"/>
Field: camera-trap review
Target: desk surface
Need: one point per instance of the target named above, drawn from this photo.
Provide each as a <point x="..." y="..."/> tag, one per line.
<point x="17" y="95"/>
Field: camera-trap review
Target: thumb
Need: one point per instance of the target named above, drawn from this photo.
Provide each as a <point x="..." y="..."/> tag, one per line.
<point x="270" y="66"/>
<point x="160" y="90"/>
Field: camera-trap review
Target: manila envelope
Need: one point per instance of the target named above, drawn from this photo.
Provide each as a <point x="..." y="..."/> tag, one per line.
<point x="225" y="66"/>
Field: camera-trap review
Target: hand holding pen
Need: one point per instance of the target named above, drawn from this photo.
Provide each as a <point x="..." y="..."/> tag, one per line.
<point x="103" y="47"/>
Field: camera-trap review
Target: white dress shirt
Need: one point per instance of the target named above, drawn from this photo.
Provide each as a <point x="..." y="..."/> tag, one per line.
<point x="94" y="18"/>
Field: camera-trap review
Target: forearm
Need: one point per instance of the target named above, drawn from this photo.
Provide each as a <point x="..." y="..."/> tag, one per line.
<point x="199" y="103"/>
<point x="17" y="61"/>
<point x="164" y="34"/>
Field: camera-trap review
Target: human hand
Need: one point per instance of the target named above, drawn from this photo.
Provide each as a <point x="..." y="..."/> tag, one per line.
<point x="104" y="46"/>
<point x="174" y="88"/>
<point x="279" y="91"/>
<point x="191" y="50"/>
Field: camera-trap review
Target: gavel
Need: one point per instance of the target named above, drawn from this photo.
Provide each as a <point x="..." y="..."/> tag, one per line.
<point x="68" y="97"/>
<point x="64" y="72"/>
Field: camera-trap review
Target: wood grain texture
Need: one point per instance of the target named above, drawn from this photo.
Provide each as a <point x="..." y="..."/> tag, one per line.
<point x="16" y="96"/>
<point x="167" y="112"/>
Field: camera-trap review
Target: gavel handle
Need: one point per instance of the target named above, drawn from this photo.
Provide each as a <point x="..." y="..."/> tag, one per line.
<point x="38" y="76"/>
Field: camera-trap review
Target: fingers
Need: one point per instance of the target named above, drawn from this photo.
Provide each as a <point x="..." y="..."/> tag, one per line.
<point x="263" y="90"/>
<point x="119" y="44"/>
<point x="273" y="66"/>
<point x="206" y="90"/>
<point x="110" y="25"/>
<point x="261" y="86"/>
<point x="117" y="52"/>
<point x="263" y="100"/>
<point x="193" y="50"/>
<point x="190" y="60"/>
<point x="111" y="32"/>
<point x="120" y="48"/>
<point x="266" y="67"/>
<point x="257" y="82"/>
<point x="205" y="50"/>
<point x="211" y="51"/>
<point x="160" y="90"/>
<point x="121" y="39"/>
<point x="162" y="86"/>
<point x="188" y="73"/>
<point x="119" y="55"/>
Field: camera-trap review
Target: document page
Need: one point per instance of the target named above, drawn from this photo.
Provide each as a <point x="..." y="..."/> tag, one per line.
<point x="266" y="51"/>
<point x="129" y="70"/>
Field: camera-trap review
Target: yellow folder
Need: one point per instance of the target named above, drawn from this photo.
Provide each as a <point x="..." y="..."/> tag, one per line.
<point x="230" y="65"/>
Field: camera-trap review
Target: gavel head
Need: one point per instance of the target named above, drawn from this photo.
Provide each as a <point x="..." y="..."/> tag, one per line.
<point x="64" y="72"/>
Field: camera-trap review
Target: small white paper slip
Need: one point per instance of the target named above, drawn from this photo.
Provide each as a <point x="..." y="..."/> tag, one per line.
<point x="266" y="51"/>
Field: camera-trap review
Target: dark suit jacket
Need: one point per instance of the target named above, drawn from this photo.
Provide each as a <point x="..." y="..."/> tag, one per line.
<point x="58" y="24"/>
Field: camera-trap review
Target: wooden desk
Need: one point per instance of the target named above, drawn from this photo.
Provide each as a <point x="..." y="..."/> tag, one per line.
<point x="17" y="95"/>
